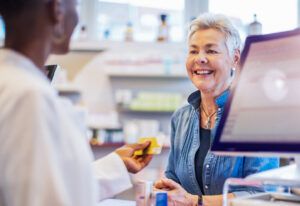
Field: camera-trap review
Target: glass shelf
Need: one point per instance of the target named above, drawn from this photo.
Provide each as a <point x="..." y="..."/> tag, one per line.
<point x="115" y="144"/>
<point x="147" y="75"/>
<point x="110" y="144"/>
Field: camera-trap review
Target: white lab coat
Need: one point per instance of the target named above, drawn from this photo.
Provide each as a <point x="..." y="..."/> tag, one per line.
<point x="44" y="156"/>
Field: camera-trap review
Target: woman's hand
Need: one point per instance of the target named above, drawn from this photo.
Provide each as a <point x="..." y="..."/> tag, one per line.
<point x="177" y="196"/>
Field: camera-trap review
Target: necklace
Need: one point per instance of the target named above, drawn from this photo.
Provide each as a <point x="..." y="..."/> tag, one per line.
<point x="208" y="117"/>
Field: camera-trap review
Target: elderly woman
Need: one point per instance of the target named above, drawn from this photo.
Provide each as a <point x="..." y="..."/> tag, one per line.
<point x="195" y="174"/>
<point x="44" y="155"/>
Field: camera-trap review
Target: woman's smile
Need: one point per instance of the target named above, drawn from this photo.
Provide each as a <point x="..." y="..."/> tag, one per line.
<point x="203" y="72"/>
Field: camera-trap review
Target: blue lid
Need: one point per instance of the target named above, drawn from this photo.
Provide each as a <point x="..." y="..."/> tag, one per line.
<point x="161" y="199"/>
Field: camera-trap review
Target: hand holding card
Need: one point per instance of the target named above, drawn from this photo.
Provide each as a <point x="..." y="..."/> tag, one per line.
<point x="154" y="148"/>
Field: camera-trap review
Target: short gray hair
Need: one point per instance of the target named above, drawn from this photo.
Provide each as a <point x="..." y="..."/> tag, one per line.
<point x="220" y="23"/>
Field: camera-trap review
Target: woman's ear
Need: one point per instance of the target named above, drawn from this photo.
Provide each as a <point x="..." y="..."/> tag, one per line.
<point x="236" y="57"/>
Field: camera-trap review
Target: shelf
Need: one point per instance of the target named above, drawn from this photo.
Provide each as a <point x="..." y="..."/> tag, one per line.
<point x="147" y="75"/>
<point x="117" y="144"/>
<point x="102" y="45"/>
<point x="87" y="46"/>
<point x="104" y="127"/>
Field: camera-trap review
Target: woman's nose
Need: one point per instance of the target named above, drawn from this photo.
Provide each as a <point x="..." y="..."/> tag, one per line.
<point x="201" y="59"/>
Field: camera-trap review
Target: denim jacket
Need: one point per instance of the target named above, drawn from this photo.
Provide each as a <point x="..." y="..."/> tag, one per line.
<point x="185" y="142"/>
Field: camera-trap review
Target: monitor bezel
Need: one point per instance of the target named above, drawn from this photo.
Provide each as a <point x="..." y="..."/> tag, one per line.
<point x="218" y="146"/>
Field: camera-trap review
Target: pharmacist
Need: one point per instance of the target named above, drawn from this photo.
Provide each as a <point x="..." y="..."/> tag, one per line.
<point x="44" y="157"/>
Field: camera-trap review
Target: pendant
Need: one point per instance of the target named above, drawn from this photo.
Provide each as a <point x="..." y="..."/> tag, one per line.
<point x="208" y="123"/>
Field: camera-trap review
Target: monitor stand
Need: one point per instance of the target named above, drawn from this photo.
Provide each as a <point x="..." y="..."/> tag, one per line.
<point x="287" y="175"/>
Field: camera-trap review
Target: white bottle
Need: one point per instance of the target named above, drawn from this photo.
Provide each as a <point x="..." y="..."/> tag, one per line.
<point x="129" y="32"/>
<point x="255" y="28"/>
<point x="163" y="30"/>
<point x="143" y="190"/>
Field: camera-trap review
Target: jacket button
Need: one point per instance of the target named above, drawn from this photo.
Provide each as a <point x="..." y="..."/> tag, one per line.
<point x="207" y="166"/>
<point x="206" y="187"/>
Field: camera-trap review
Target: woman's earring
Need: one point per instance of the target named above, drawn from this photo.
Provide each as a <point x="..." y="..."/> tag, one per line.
<point x="232" y="71"/>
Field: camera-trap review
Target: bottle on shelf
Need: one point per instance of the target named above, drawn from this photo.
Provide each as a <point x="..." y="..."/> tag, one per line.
<point x="255" y="28"/>
<point x="94" y="140"/>
<point x="82" y="33"/>
<point x="163" y="30"/>
<point x="129" y="32"/>
<point x="106" y="34"/>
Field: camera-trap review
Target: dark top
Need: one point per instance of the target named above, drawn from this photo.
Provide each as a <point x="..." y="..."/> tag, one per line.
<point x="201" y="154"/>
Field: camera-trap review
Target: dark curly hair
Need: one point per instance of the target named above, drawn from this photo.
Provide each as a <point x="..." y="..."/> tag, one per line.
<point x="11" y="8"/>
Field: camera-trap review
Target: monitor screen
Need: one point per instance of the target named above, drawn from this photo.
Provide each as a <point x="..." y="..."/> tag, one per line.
<point x="51" y="70"/>
<point x="263" y="111"/>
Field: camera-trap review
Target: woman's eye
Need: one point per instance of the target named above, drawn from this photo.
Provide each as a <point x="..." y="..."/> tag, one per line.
<point x="193" y="52"/>
<point x="211" y="51"/>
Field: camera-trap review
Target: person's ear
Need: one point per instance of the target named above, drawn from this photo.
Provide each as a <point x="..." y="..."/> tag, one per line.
<point x="236" y="57"/>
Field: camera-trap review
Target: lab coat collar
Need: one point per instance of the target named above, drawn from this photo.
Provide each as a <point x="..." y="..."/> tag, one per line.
<point x="21" y="62"/>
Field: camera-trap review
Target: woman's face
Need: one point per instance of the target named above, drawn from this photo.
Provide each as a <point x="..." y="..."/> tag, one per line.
<point x="68" y="23"/>
<point x="209" y="63"/>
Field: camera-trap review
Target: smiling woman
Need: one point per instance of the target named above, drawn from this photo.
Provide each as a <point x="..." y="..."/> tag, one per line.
<point x="213" y="56"/>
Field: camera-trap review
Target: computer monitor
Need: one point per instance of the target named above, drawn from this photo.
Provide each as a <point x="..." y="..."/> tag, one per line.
<point x="262" y="115"/>
<point x="263" y="111"/>
<point x="51" y="71"/>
